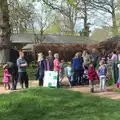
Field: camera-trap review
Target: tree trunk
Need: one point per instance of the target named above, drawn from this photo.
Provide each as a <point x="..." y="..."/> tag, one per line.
<point x="4" y="32"/>
<point x="114" y="27"/>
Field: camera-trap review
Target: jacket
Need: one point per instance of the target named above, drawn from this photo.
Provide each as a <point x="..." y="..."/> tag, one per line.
<point x="92" y="74"/>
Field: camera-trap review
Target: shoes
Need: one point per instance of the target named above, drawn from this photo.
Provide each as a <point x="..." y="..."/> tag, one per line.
<point x="92" y="90"/>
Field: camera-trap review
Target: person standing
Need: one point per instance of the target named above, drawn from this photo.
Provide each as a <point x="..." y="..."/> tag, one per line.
<point x="51" y="59"/>
<point x="22" y="73"/>
<point x="77" y="66"/>
<point x="102" y="72"/>
<point x="13" y="70"/>
<point x="42" y="67"/>
<point x="57" y="66"/>
<point x="93" y="76"/>
<point x="95" y="58"/>
<point x="114" y="65"/>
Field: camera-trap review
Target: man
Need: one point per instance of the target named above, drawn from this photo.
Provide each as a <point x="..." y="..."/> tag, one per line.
<point x="13" y="70"/>
<point x="50" y="58"/>
<point x="95" y="58"/>
<point x="22" y="65"/>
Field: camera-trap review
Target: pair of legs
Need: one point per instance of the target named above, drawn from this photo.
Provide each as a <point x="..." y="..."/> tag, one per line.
<point x="78" y="76"/>
<point x="23" y="78"/>
<point x="102" y="82"/>
<point x="69" y="81"/>
<point x="7" y="85"/>
<point x="14" y="81"/>
<point x="41" y="80"/>
<point x="92" y="84"/>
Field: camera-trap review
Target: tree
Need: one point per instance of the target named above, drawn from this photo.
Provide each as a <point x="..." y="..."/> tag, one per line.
<point x="4" y="31"/>
<point x="68" y="11"/>
<point x="20" y="14"/>
<point x="108" y="6"/>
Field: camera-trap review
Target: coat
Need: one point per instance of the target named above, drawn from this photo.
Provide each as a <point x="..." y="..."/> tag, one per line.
<point x="6" y="76"/>
<point x="92" y="74"/>
<point x="41" y="68"/>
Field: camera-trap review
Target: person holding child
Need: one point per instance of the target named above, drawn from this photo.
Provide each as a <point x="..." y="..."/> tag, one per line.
<point x="102" y="72"/>
<point x="6" y="79"/>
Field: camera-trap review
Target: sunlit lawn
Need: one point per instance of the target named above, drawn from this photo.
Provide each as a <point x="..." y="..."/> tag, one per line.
<point x="56" y="104"/>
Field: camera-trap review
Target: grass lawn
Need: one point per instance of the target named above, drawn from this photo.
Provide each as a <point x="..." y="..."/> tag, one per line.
<point x="56" y="104"/>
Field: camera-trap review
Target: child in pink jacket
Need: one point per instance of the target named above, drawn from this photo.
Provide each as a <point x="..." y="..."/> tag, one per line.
<point x="6" y="79"/>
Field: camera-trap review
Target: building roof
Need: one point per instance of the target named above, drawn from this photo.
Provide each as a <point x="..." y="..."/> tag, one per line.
<point x="50" y="39"/>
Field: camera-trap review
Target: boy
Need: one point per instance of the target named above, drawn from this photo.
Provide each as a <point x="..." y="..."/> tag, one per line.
<point x="92" y="75"/>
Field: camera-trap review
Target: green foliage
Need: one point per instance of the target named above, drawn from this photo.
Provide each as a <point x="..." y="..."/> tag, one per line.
<point x="56" y="104"/>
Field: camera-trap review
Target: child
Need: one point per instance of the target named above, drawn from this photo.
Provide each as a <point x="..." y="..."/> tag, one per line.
<point x="69" y="74"/>
<point x="6" y="79"/>
<point x="61" y="72"/>
<point x="102" y="72"/>
<point x="92" y="75"/>
<point x="118" y="82"/>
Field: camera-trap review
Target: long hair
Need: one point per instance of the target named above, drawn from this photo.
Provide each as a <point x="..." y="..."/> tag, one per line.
<point x="40" y="57"/>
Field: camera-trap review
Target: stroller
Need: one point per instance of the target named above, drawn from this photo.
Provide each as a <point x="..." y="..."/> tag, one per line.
<point x="85" y="79"/>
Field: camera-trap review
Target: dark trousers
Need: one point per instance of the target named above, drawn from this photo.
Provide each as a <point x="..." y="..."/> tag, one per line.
<point x="115" y="72"/>
<point x="77" y="76"/>
<point x="23" y="78"/>
<point x="41" y="80"/>
<point x="14" y="81"/>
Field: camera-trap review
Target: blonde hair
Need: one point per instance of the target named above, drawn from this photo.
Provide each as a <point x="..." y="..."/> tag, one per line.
<point x="77" y="55"/>
<point x="40" y="57"/>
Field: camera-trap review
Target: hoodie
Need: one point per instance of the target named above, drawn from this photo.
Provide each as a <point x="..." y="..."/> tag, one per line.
<point x="92" y="74"/>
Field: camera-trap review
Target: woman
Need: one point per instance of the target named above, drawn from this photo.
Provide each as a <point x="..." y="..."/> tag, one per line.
<point x="77" y="66"/>
<point x="56" y="63"/>
<point x="115" y="68"/>
<point x="41" y="68"/>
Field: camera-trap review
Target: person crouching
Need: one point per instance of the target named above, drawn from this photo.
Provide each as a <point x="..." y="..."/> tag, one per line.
<point x="93" y="76"/>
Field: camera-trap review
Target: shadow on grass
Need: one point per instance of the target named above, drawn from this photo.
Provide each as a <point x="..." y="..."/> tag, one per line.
<point x="56" y="104"/>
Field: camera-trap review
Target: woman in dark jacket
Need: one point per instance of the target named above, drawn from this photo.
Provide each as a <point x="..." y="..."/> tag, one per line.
<point x="77" y="66"/>
<point x="41" y="69"/>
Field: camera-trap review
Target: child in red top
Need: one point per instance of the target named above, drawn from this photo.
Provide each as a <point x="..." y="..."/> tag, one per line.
<point x="6" y="79"/>
<point x="92" y="75"/>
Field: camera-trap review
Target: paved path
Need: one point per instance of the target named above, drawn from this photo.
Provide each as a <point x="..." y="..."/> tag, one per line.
<point x="83" y="89"/>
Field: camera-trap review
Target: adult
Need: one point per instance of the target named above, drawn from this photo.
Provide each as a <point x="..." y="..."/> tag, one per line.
<point x="13" y="70"/>
<point x="86" y="58"/>
<point x="51" y="59"/>
<point x="41" y="64"/>
<point x="22" y="73"/>
<point x="114" y="59"/>
<point x="95" y="58"/>
<point x="57" y="66"/>
<point x="77" y="66"/>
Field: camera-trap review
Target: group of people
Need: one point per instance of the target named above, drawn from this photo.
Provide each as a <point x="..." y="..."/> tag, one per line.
<point x="82" y="62"/>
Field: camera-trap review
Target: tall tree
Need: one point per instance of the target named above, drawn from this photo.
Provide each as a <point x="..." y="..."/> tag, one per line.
<point x="4" y="31"/>
<point x="108" y="6"/>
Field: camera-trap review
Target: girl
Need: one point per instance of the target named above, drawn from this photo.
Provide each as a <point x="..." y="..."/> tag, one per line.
<point x="102" y="72"/>
<point x="92" y="75"/>
<point x="6" y="79"/>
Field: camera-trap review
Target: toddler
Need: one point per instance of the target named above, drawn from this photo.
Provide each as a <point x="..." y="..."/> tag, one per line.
<point x="69" y="74"/>
<point x="93" y="76"/>
<point x="6" y="79"/>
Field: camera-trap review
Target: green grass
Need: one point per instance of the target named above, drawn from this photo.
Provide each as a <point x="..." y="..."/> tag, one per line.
<point x="56" y="104"/>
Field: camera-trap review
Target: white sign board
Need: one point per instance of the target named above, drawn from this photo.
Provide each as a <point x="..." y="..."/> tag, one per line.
<point x="50" y="79"/>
